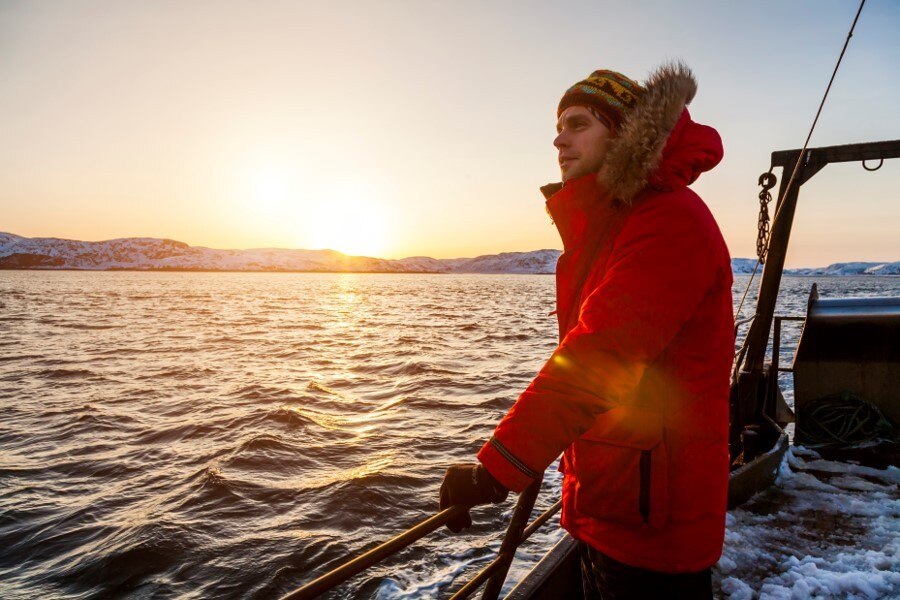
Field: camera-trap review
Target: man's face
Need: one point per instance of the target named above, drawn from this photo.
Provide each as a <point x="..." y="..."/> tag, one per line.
<point x="581" y="141"/>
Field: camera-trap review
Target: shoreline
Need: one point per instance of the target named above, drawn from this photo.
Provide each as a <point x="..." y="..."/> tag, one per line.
<point x="787" y="272"/>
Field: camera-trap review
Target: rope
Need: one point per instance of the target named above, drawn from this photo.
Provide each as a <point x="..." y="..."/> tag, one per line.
<point x="843" y="419"/>
<point x="760" y="259"/>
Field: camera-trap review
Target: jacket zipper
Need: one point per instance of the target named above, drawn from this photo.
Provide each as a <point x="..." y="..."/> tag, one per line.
<point x="644" y="495"/>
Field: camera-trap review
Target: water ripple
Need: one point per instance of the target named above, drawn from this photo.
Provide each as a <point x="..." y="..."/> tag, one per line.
<point x="228" y="435"/>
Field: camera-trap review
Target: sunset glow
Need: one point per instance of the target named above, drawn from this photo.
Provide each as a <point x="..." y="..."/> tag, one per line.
<point x="348" y="216"/>
<point x="350" y="220"/>
<point x="243" y="127"/>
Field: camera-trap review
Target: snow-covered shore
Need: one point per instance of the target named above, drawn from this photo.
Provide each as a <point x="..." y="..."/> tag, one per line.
<point x="825" y="530"/>
<point x="149" y="254"/>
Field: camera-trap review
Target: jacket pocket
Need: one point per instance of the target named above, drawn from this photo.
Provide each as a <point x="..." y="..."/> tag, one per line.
<point x="621" y="469"/>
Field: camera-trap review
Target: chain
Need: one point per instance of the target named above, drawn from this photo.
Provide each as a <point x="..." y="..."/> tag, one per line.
<point x="767" y="182"/>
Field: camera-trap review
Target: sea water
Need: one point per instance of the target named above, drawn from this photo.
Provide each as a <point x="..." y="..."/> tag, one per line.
<point x="235" y="434"/>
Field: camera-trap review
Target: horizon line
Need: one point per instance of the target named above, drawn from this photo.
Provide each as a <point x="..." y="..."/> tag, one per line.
<point x="285" y="249"/>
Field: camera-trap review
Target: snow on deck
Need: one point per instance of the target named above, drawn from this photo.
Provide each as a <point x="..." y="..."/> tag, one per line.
<point x="824" y="530"/>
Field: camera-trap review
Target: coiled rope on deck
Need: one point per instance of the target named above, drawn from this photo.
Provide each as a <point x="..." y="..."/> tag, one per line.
<point x="843" y="419"/>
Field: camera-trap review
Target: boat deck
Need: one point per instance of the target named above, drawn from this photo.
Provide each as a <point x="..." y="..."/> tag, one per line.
<point x="825" y="529"/>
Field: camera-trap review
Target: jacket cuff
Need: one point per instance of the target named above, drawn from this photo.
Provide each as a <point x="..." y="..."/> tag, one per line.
<point x="505" y="467"/>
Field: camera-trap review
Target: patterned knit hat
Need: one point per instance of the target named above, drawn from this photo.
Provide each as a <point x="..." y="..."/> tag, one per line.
<point x="609" y="96"/>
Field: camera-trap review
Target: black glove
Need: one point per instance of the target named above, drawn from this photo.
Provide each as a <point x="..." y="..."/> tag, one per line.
<point x="469" y="485"/>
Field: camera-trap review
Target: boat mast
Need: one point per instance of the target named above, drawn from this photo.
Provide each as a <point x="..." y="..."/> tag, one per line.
<point x="748" y="394"/>
<point x="773" y="269"/>
<point x="814" y="161"/>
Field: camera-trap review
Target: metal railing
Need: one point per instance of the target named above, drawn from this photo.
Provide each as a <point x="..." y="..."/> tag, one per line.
<point x="776" y="344"/>
<point x="494" y="574"/>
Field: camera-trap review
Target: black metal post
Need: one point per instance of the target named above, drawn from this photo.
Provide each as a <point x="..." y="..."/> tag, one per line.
<point x="472" y="586"/>
<point x="512" y="538"/>
<point x="758" y="335"/>
<point x="776" y="345"/>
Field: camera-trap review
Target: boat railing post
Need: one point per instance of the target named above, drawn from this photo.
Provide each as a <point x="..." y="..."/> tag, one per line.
<point x="776" y="346"/>
<point x="512" y="539"/>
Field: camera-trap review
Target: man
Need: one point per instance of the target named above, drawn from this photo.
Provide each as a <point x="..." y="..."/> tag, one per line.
<point x="636" y="394"/>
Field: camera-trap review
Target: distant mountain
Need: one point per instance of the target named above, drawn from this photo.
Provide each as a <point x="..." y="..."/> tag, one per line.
<point x="17" y="252"/>
<point x="160" y="254"/>
<point x="537" y="261"/>
<point x="744" y="266"/>
<point x="154" y="254"/>
<point x="852" y="268"/>
<point x="741" y="266"/>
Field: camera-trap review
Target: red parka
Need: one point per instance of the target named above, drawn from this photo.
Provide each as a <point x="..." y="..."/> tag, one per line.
<point x="636" y="394"/>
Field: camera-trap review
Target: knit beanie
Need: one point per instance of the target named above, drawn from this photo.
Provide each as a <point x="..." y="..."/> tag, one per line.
<point x="607" y="94"/>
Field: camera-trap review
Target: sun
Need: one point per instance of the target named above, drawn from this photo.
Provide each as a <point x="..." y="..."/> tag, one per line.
<point x="344" y="215"/>
<point x="271" y="190"/>
<point x="350" y="219"/>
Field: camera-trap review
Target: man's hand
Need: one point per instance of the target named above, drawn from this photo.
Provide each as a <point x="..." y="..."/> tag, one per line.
<point x="469" y="485"/>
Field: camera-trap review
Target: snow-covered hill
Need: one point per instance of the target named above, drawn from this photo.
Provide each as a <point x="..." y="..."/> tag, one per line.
<point x="17" y="252"/>
<point x="538" y="261"/>
<point x="852" y="268"/>
<point x="742" y="266"/>
<point x="162" y="254"/>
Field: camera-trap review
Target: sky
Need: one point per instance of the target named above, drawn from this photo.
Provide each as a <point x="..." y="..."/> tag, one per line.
<point x="398" y="128"/>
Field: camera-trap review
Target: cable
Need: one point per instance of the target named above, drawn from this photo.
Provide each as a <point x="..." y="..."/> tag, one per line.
<point x="787" y="189"/>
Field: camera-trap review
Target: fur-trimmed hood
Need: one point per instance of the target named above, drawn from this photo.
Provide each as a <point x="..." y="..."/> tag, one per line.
<point x="658" y="144"/>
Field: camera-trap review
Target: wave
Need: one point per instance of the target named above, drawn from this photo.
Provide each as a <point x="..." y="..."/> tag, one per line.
<point x="30" y="357"/>
<point x="89" y="327"/>
<point x="179" y="373"/>
<point x="265" y="442"/>
<point x="314" y="421"/>
<point x="509" y="337"/>
<point x="315" y="386"/>
<point x="14" y="318"/>
<point x="131" y="557"/>
<point x="264" y="393"/>
<point x="401" y="368"/>
<point x="67" y="373"/>
<point x="167" y="435"/>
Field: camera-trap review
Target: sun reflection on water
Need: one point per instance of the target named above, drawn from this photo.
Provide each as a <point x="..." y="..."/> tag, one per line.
<point x="375" y="465"/>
